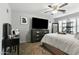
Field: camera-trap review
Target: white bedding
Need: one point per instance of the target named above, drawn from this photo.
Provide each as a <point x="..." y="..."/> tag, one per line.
<point x="64" y="42"/>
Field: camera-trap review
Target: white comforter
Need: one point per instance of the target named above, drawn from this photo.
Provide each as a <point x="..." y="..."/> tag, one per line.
<point x="66" y="43"/>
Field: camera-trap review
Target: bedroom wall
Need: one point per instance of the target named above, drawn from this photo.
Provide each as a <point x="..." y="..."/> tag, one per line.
<point x="5" y="17"/>
<point x="25" y="30"/>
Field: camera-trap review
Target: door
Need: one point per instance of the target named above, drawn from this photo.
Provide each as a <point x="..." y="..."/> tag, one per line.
<point x="55" y="27"/>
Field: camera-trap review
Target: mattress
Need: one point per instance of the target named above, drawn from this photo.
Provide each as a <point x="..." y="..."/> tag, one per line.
<point x="65" y="42"/>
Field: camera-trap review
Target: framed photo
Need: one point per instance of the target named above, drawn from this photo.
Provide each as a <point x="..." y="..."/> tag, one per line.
<point x="23" y="20"/>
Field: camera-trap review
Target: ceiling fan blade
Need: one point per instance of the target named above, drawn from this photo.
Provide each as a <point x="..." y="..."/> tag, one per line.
<point x="50" y="6"/>
<point x="63" y="5"/>
<point x="41" y="10"/>
<point x="47" y="11"/>
<point x="62" y="10"/>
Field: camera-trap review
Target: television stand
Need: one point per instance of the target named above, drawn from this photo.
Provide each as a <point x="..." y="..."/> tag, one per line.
<point x="37" y="34"/>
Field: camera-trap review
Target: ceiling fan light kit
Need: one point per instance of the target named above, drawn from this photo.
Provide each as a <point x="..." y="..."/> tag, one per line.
<point x="54" y="11"/>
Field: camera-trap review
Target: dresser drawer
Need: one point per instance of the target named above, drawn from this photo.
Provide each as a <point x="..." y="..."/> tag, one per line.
<point x="46" y="31"/>
<point x="38" y="39"/>
<point x="37" y="34"/>
<point x="37" y="31"/>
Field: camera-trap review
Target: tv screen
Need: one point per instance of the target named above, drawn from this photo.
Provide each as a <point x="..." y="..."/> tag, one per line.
<point x="38" y="23"/>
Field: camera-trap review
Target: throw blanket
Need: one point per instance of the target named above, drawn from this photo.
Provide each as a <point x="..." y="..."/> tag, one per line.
<point x="65" y="42"/>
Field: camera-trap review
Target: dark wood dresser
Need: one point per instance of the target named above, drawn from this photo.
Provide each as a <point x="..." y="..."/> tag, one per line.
<point x="37" y="34"/>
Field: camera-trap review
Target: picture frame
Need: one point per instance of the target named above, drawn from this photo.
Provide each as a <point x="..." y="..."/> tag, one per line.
<point x="23" y="20"/>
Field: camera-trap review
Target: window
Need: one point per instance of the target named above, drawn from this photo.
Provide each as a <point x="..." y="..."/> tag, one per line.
<point x="68" y="25"/>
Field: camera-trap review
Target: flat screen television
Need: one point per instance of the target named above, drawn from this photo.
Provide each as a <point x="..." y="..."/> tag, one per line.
<point x="39" y="23"/>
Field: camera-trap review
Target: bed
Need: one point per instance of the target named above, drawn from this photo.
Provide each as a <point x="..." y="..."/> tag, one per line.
<point x="61" y="44"/>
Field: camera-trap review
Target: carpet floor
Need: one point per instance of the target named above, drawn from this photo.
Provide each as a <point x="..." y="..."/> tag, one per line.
<point x="33" y="49"/>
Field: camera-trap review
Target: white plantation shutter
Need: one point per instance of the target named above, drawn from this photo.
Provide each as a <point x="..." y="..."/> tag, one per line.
<point x="60" y="26"/>
<point x="77" y="24"/>
<point x="73" y="24"/>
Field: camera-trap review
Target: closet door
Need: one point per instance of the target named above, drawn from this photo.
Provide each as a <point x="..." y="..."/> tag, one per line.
<point x="55" y="27"/>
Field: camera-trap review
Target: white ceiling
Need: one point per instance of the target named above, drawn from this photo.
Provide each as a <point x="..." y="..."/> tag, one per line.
<point x="39" y="7"/>
<point x="28" y="7"/>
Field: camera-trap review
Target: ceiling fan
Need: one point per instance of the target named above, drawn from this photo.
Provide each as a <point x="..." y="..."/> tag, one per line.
<point x="54" y="8"/>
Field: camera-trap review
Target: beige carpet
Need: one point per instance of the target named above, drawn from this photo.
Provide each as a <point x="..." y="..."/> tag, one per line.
<point x="33" y="49"/>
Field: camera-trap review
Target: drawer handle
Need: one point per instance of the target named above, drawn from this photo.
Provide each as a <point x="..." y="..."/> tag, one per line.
<point x="37" y="32"/>
<point x="45" y="32"/>
<point x="37" y="35"/>
<point x="37" y="39"/>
